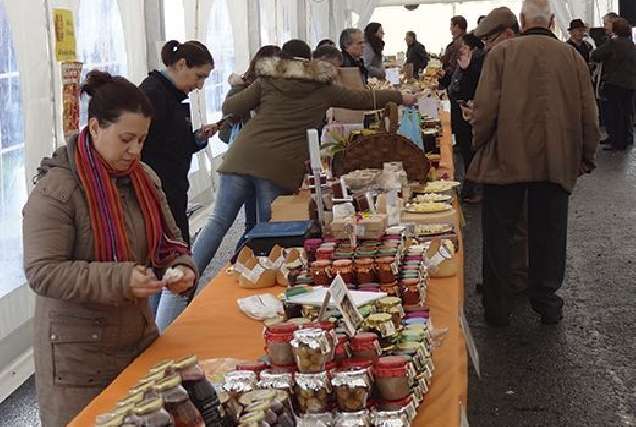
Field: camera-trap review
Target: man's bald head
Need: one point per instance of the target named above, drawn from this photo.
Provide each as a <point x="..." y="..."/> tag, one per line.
<point x="536" y="14"/>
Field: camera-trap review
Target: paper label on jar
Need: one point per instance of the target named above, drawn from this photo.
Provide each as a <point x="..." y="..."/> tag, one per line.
<point x="387" y="329"/>
<point x="394" y="269"/>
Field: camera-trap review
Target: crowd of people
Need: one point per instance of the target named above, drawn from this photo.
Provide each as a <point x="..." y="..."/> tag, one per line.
<point x="107" y="218"/>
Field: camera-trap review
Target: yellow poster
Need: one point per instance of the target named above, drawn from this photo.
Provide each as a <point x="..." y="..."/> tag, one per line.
<point x="64" y="35"/>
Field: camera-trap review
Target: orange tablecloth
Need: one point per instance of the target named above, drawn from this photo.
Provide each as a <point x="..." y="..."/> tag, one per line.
<point x="213" y="327"/>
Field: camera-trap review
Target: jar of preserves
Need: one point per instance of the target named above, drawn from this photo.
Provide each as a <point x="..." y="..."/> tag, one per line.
<point x="391" y="289"/>
<point x="393" y="419"/>
<point x="109" y="420"/>
<point x="200" y="390"/>
<point x="365" y="270"/>
<point x="132" y="399"/>
<point x="313" y="393"/>
<point x="255" y="366"/>
<point x="353" y="419"/>
<point x="321" y="272"/>
<point x="365" y="345"/>
<point x="382" y="325"/>
<point x="392" y="306"/>
<point x="177" y="403"/>
<point x="412" y="293"/>
<point x="278" y="344"/>
<point x="157" y="376"/>
<point x="386" y="268"/>
<point x="343" y="267"/>
<point x="237" y="383"/>
<point x="292" y="271"/>
<point x="352" y="389"/>
<point x="150" y="413"/>
<point x="343" y="349"/>
<point x="316" y="420"/>
<point x="311" y="350"/>
<point x="330" y="333"/>
<point x="311" y="246"/>
<point x="397" y="405"/>
<point x="392" y="378"/>
<point x="276" y="379"/>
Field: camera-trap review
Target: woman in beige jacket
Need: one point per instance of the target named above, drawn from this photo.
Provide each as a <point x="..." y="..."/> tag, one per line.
<point x="97" y="233"/>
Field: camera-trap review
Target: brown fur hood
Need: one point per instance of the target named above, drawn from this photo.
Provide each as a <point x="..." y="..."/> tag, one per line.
<point x="296" y="69"/>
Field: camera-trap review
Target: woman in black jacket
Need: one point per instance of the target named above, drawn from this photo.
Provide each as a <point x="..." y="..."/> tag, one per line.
<point x="462" y="89"/>
<point x="172" y="143"/>
<point x="618" y="56"/>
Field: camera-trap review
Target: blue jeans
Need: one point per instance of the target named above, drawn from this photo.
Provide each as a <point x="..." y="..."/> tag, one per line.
<point x="166" y="307"/>
<point x="251" y="216"/>
<point x="233" y="192"/>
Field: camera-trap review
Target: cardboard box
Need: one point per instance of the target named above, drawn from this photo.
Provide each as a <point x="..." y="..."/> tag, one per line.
<point x="368" y="228"/>
<point x="292" y="208"/>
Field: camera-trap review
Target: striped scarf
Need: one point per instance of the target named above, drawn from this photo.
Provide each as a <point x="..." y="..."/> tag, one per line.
<point x="107" y="215"/>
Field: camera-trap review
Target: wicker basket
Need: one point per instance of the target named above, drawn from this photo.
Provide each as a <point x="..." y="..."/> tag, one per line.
<point x="372" y="151"/>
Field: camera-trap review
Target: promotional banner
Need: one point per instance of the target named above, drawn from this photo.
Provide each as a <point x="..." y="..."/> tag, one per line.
<point x="71" y="73"/>
<point x="64" y="35"/>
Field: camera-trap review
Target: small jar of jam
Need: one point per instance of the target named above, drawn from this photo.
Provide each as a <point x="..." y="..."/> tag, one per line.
<point x="390" y="288"/>
<point x="392" y="306"/>
<point x="151" y="413"/>
<point x="343" y="267"/>
<point x="352" y="388"/>
<point x="237" y="383"/>
<point x="365" y="346"/>
<point x="392" y="378"/>
<point x="386" y="269"/>
<point x="382" y="325"/>
<point x="255" y="366"/>
<point x="177" y="403"/>
<point x="321" y="272"/>
<point x="277" y="379"/>
<point x="325" y="253"/>
<point x="311" y="350"/>
<point x="278" y="344"/>
<point x="365" y="270"/>
<point x="330" y="334"/>
<point x="313" y="392"/>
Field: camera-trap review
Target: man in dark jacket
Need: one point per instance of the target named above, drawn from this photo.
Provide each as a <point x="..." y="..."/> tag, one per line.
<point x="577" y="33"/>
<point x="618" y="56"/>
<point x="352" y="46"/>
<point x="415" y="53"/>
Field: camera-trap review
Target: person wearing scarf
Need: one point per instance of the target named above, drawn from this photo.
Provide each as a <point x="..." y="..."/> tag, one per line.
<point x="98" y="238"/>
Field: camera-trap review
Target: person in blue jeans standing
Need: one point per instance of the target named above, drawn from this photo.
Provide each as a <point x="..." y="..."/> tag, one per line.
<point x="171" y="142"/>
<point x="292" y="94"/>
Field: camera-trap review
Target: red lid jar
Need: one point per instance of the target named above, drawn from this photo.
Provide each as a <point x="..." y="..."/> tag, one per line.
<point x="343" y="349"/>
<point x="392" y="378"/>
<point x="256" y="366"/>
<point x="365" y="345"/>
<point x="278" y="344"/>
<point x="321" y="272"/>
<point x="343" y="267"/>
<point x="365" y="270"/>
<point x="324" y="253"/>
<point x="385" y="268"/>
<point x="394" y="406"/>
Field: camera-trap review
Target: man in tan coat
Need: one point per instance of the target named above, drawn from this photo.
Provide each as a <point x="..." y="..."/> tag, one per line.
<point x="536" y="130"/>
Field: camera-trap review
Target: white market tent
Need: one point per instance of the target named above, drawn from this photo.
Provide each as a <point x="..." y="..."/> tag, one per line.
<point x="124" y="36"/>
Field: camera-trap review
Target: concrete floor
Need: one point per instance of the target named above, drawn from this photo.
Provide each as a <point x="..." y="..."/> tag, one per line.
<point x="581" y="373"/>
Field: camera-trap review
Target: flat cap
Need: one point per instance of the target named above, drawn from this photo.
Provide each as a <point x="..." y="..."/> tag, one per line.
<point x="499" y="19"/>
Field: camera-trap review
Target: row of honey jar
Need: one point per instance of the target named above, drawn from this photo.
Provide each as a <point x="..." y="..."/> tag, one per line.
<point x="173" y="393"/>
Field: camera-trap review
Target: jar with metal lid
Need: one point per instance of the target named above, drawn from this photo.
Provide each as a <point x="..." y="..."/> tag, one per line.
<point x="237" y="383"/>
<point x="386" y="269"/>
<point x="147" y="389"/>
<point x="313" y="393"/>
<point x="405" y="404"/>
<point x="311" y="350"/>
<point x="164" y="367"/>
<point x="150" y="413"/>
<point x="365" y="270"/>
<point x="177" y="402"/>
<point x="365" y="345"/>
<point x="343" y="267"/>
<point x="392" y="306"/>
<point x="352" y="389"/>
<point x="255" y="366"/>
<point x="157" y="376"/>
<point x="315" y="420"/>
<point x="113" y="420"/>
<point x="278" y="344"/>
<point x="382" y="325"/>
<point x="330" y="333"/>
<point x="343" y="349"/>
<point x="353" y="419"/>
<point x="121" y="413"/>
<point x="392" y="378"/>
<point x="391" y="419"/>
<point x="321" y="272"/>
<point x="273" y="379"/>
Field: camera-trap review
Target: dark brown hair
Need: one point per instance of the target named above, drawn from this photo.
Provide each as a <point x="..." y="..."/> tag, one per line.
<point x="111" y="96"/>
<point x="370" y="36"/>
<point x="268" y="51"/>
<point x="193" y="51"/>
<point x="621" y="27"/>
<point x="325" y="52"/>
<point x="296" y="49"/>
<point x="459" y="21"/>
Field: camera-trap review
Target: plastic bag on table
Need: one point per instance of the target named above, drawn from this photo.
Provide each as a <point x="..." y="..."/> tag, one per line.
<point x="216" y="369"/>
<point x="261" y="307"/>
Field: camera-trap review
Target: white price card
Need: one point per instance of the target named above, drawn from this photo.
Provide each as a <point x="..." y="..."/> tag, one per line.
<point x="470" y="342"/>
<point x="342" y="298"/>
